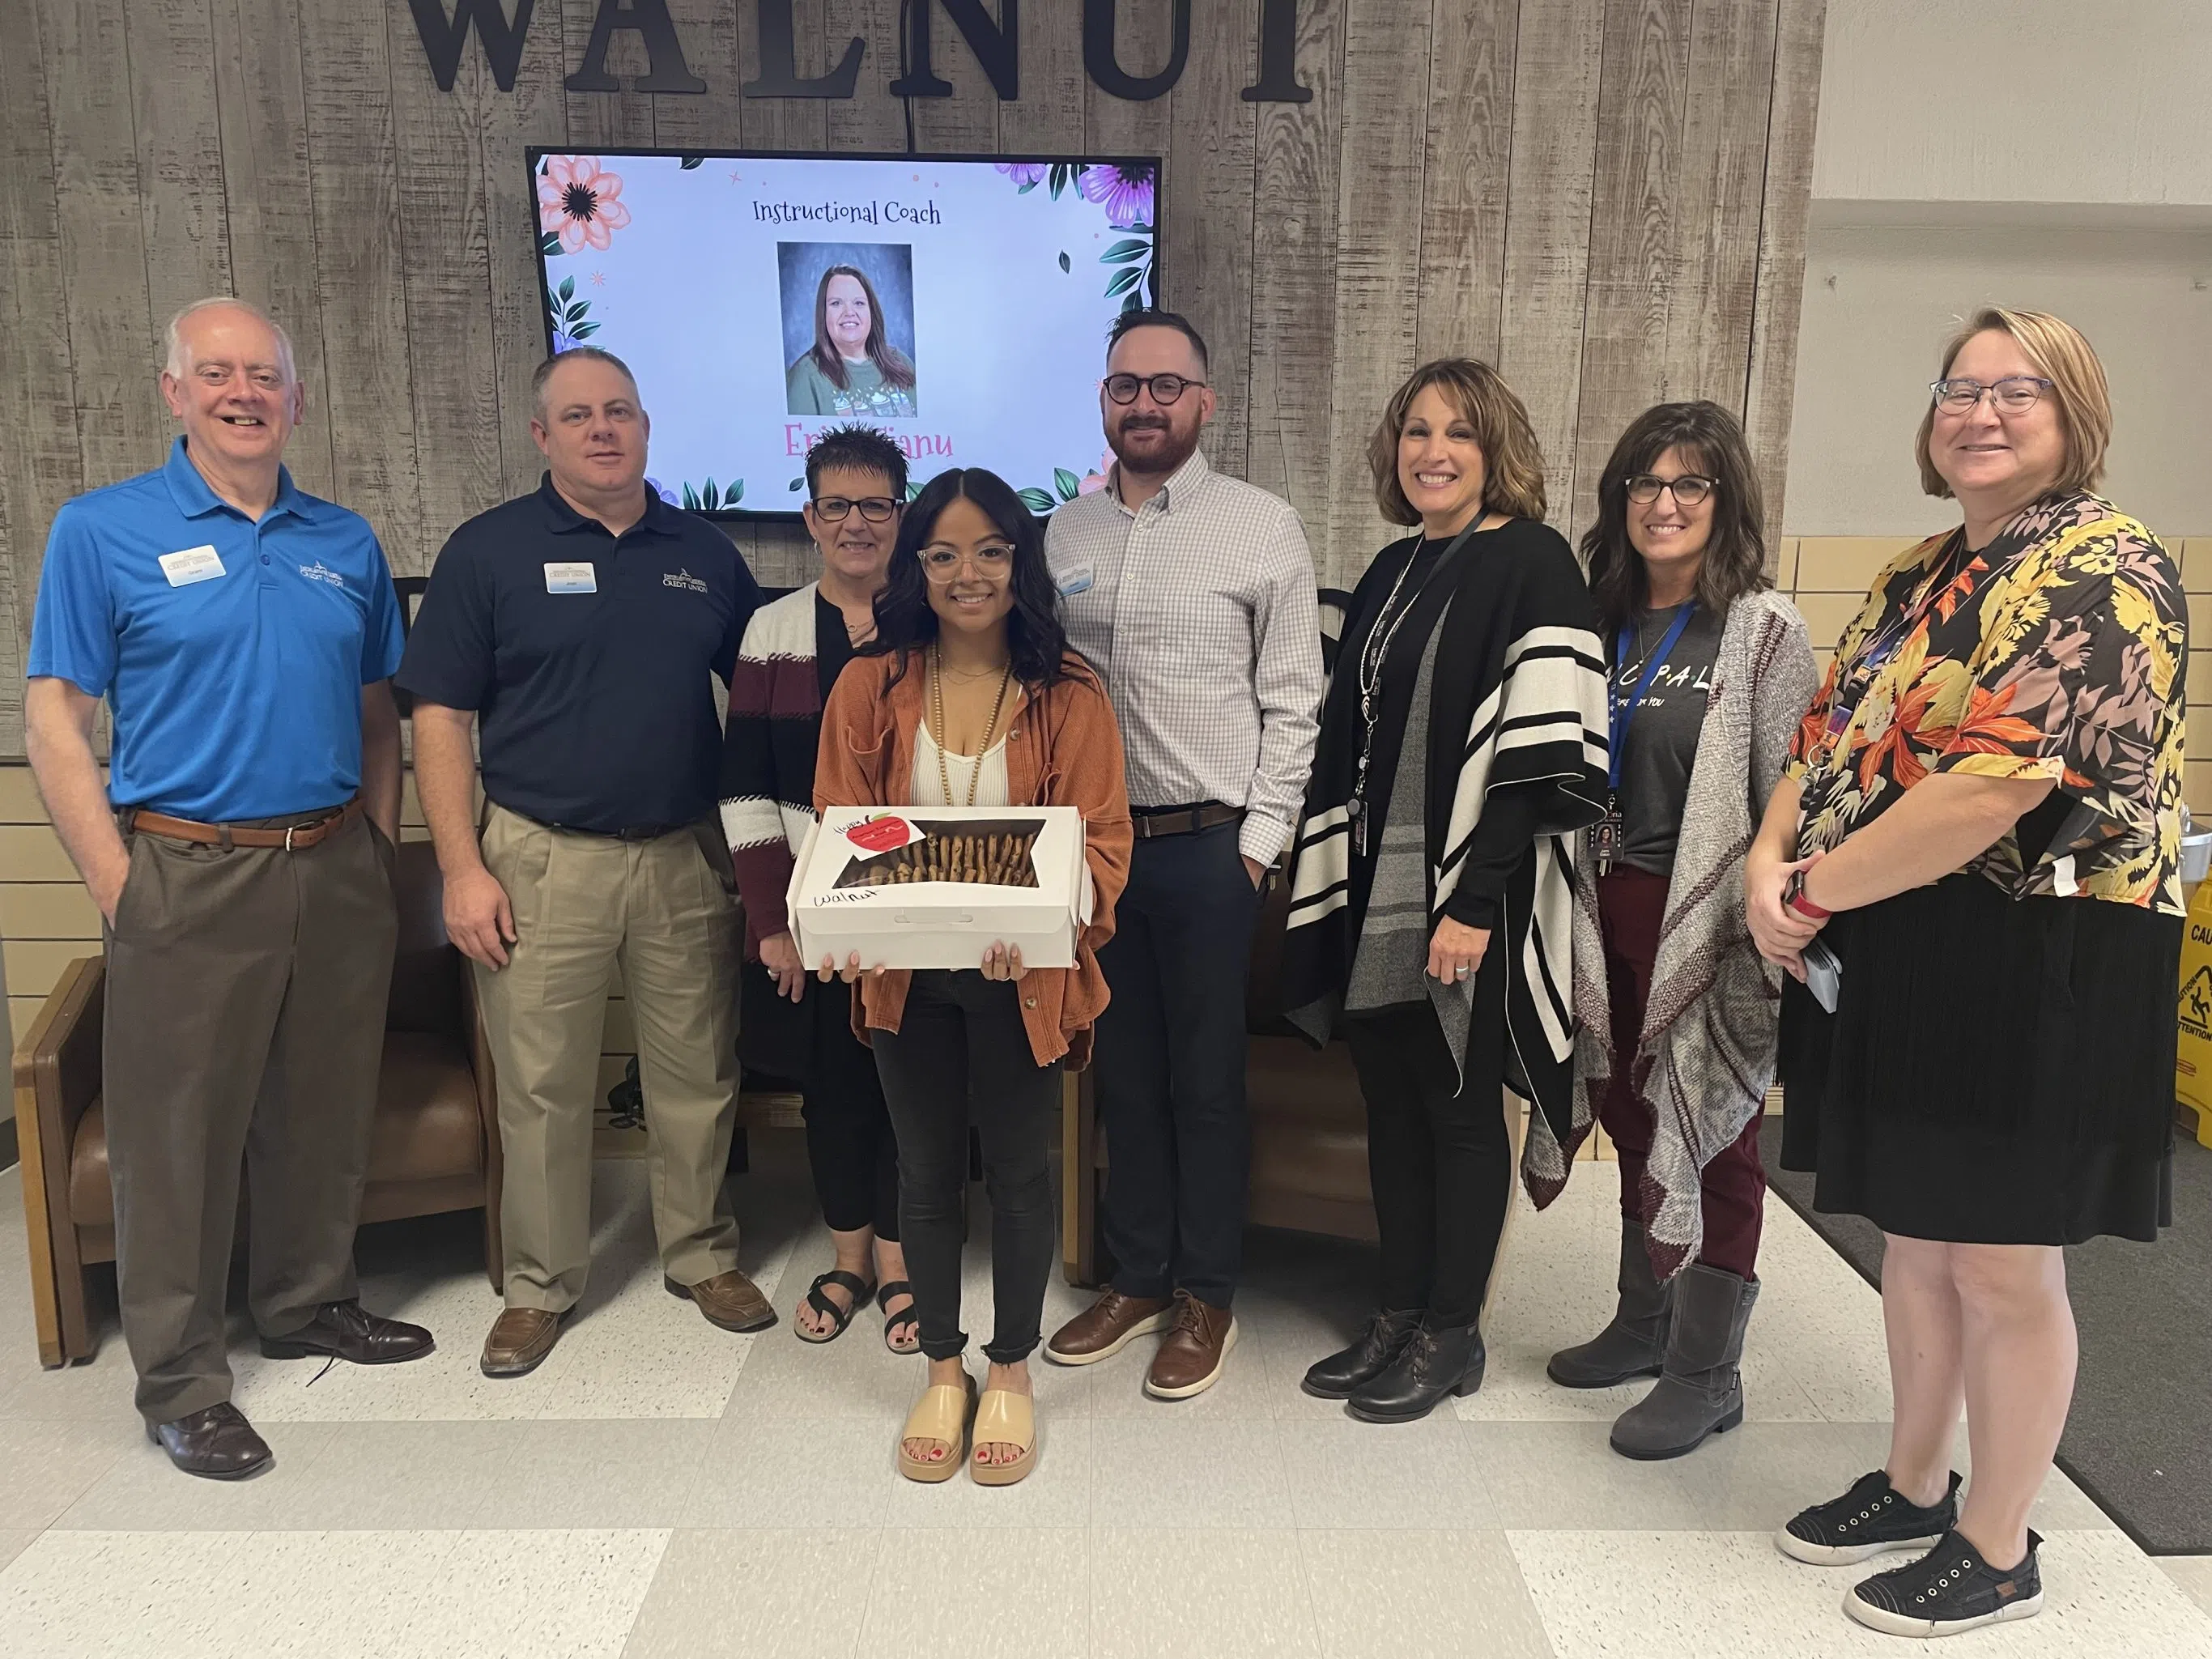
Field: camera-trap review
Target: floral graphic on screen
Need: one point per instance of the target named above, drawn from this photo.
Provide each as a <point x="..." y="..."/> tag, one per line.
<point x="571" y="317"/>
<point x="1126" y="193"/>
<point x="1066" y="486"/>
<point x="579" y="203"/>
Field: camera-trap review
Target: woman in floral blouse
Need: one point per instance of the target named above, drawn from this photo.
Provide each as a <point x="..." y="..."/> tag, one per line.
<point x="1982" y="821"/>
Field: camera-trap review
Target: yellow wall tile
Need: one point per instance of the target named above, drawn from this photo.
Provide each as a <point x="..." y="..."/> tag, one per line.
<point x="34" y="965"/>
<point x="2197" y="741"/>
<point x="2200" y="617"/>
<point x="49" y="909"/>
<point x="18" y="797"/>
<point x="1785" y="563"/>
<point x="1845" y="564"/>
<point x="1826" y="615"/>
<point x="2200" y="676"/>
<point x="2195" y="556"/>
<point x="2196" y="794"/>
<point x="32" y="851"/>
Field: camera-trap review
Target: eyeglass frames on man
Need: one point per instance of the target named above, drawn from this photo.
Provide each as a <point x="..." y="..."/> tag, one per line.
<point x="942" y="564"/>
<point x="1165" y="388"/>
<point x="2013" y="394"/>
<point x="1689" y="489"/>
<point x="876" y="509"/>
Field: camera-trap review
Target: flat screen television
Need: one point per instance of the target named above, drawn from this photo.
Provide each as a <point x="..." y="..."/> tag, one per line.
<point x="960" y="303"/>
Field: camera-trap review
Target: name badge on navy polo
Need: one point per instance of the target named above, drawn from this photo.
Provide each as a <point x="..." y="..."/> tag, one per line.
<point x="571" y="578"/>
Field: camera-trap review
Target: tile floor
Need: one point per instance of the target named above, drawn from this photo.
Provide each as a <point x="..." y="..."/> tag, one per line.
<point x="661" y="1490"/>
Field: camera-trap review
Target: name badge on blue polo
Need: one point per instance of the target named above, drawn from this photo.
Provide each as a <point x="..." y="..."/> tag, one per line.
<point x="571" y="578"/>
<point x="192" y="564"/>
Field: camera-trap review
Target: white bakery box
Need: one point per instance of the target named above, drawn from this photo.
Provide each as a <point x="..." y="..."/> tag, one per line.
<point x="935" y="886"/>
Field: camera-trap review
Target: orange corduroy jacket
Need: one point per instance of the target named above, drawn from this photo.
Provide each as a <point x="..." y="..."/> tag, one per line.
<point x="1063" y="748"/>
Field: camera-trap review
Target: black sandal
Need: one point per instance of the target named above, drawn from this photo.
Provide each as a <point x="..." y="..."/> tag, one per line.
<point x="891" y="1321"/>
<point x="854" y="1283"/>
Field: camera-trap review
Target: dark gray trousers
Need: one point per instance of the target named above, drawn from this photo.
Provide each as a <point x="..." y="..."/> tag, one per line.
<point x="244" y="1026"/>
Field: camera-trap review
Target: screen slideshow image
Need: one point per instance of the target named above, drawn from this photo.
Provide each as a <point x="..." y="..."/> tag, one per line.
<point x="961" y="305"/>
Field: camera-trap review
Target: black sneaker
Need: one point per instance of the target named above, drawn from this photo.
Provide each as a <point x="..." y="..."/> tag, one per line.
<point x="1871" y="1519"/>
<point x="1949" y="1590"/>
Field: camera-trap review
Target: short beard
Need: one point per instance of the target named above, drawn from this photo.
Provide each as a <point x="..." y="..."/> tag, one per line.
<point x="1177" y="449"/>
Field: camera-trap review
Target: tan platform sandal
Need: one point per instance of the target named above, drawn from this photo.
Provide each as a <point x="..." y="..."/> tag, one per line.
<point x="940" y="1414"/>
<point x="1005" y="1417"/>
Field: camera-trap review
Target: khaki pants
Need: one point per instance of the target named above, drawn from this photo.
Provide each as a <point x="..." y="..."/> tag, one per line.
<point x="666" y="911"/>
<point x="245" y="1022"/>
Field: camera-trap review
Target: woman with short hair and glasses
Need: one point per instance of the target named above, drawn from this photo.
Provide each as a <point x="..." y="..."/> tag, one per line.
<point x="1710" y="673"/>
<point x="967" y="695"/>
<point x="793" y="651"/>
<point x="1982" y="823"/>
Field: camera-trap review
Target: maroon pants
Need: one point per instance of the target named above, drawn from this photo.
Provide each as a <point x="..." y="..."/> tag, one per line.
<point x="1631" y="905"/>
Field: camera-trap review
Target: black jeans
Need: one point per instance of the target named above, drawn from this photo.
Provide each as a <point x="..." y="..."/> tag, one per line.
<point x="1170" y="1059"/>
<point x="1439" y="1159"/>
<point x="849" y="1142"/>
<point x="960" y="1042"/>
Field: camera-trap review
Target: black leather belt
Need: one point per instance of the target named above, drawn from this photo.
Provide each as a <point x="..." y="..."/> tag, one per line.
<point x="1151" y="821"/>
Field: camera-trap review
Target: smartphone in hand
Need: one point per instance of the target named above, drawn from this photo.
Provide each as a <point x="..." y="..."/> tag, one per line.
<point x="1824" y="975"/>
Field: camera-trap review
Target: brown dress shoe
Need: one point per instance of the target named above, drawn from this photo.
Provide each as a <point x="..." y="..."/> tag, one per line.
<point x="1106" y="1327"/>
<point x="1191" y="1358"/>
<point x="350" y="1332"/>
<point x="218" y="1444"/>
<point x="520" y="1341"/>
<point x="729" y="1300"/>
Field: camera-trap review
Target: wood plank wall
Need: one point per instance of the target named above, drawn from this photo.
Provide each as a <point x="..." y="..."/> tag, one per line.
<point x="1606" y="197"/>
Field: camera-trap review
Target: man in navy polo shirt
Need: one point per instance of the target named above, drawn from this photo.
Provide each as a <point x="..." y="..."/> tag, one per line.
<point x="244" y="634"/>
<point x="575" y="627"/>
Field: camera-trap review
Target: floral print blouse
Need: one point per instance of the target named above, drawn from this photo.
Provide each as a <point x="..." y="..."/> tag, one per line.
<point x="2058" y="651"/>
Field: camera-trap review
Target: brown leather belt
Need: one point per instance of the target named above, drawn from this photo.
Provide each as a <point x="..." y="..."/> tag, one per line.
<point x="1150" y="821"/>
<point x="297" y="838"/>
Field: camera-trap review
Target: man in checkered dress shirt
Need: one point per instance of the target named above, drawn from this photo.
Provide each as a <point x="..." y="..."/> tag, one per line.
<point x="1192" y="592"/>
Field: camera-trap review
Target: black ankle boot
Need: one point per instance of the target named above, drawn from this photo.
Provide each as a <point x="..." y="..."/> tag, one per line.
<point x="1436" y="1361"/>
<point x="1336" y="1376"/>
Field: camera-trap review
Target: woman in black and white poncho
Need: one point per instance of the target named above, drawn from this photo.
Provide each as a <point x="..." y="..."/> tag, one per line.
<point x="1461" y="744"/>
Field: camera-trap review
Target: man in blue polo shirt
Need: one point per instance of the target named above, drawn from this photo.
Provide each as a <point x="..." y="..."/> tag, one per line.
<point x="575" y="627"/>
<point x="244" y="634"/>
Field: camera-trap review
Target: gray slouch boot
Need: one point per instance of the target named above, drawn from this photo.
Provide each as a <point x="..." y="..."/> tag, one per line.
<point x="1635" y="1343"/>
<point x="1700" y="1391"/>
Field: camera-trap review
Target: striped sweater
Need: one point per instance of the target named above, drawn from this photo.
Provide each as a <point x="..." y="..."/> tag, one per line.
<point x="768" y="745"/>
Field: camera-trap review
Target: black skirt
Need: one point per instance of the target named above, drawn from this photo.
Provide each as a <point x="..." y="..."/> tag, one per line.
<point x="1996" y="1071"/>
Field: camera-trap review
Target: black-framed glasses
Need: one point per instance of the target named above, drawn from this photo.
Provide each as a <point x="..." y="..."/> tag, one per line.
<point x="1689" y="489"/>
<point x="2013" y="394"/>
<point x="1165" y="388"/>
<point x="942" y="564"/>
<point x="876" y="509"/>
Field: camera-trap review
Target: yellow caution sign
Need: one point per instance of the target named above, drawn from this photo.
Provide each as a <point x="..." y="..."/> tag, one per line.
<point x="2192" y="1073"/>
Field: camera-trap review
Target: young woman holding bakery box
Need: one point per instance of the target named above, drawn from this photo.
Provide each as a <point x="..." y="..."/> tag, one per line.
<point x="968" y="697"/>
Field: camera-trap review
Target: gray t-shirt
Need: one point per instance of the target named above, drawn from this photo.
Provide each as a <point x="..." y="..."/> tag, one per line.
<point x="1662" y="735"/>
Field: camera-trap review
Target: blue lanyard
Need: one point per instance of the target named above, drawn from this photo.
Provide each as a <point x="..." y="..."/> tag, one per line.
<point x="1623" y="712"/>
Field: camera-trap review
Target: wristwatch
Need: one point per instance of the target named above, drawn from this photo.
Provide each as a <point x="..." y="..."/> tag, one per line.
<point x="1793" y="896"/>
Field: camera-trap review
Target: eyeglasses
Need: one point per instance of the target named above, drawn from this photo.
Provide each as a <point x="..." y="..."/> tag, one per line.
<point x="942" y="564"/>
<point x="1165" y="388"/>
<point x="1689" y="489"/>
<point x="876" y="509"/>
<point x="2013" y="394"/>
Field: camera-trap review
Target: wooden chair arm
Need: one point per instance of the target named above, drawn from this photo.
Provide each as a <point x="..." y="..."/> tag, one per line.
<point x="58" y="1078"/>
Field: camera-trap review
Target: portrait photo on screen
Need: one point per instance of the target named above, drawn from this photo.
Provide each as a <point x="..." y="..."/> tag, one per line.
<point x="848" y="329"/>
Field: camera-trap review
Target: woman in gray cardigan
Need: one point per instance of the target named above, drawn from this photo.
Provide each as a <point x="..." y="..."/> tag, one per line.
<point x="1710" y="673"/>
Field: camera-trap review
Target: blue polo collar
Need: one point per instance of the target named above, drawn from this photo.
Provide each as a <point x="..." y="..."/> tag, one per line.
<point x="196" y="500"/>
<point x="660" y="518"/>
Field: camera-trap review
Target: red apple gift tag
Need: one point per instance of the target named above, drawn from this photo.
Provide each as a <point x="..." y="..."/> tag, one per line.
<point x="886" y="834"/>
